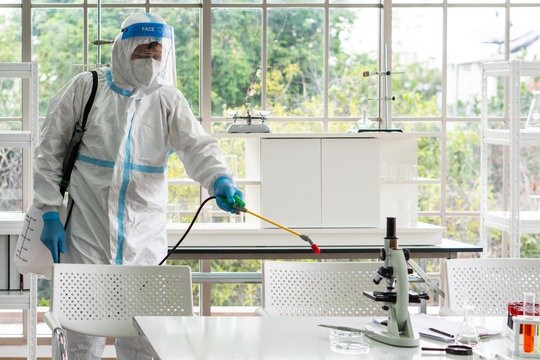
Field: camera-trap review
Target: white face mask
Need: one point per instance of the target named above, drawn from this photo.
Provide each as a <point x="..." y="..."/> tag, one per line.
<point x="145" y="70"/>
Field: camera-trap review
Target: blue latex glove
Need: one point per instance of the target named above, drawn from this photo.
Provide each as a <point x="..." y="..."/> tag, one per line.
<point x="224" y="188"/>
<point x="53" y="234"/>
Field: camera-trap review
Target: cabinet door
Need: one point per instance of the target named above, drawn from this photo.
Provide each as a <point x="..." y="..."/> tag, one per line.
<point x="291" y="181"/>
<point x="350" y="182"/>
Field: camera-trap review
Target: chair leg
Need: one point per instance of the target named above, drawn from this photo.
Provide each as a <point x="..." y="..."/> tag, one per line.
<point x="59" y="345"/>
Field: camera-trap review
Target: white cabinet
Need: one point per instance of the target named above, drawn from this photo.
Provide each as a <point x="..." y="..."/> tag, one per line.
<point x="320" y="182"/>
<point x="511" y="219"/>
<point x="291" y="181"/>
<point x="350" y="182"/>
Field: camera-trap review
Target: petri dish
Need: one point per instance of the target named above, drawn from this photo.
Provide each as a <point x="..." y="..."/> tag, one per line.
<point x="348" y="342"/>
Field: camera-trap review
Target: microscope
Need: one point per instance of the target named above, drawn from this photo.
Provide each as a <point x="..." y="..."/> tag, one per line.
<point x="398" y="330"/>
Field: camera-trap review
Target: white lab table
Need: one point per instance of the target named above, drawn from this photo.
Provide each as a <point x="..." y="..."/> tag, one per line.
<point x="262" y="338"/>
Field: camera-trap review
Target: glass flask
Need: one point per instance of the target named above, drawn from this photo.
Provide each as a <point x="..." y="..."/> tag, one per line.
<point x="364" y="122"/>
<point x="533" y="119"/>
<point x="467" y="333"/>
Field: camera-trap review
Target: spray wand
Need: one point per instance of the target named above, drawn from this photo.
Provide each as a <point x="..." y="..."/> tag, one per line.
<point x="240" y="206"/>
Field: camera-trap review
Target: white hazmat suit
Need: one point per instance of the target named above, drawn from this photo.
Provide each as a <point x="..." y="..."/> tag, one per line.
<point x="119" y="183"/>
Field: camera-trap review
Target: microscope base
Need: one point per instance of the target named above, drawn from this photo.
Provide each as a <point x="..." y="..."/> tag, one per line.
<point x="380" y="333"/>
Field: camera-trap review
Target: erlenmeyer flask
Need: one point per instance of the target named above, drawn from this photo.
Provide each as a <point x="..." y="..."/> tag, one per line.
<point x="533" y="120"/>
<point x="467" y="333"/>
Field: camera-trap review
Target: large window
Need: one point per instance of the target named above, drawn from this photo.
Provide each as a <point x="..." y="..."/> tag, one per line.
<point x="303" y="61"/>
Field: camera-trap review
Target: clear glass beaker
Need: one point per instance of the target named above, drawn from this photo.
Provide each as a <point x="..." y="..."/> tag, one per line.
<point x="533" y="119"/>
<point x="467" y="333"/>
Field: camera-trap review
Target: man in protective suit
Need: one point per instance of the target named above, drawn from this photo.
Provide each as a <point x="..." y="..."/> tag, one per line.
<point x="119" y="183"/>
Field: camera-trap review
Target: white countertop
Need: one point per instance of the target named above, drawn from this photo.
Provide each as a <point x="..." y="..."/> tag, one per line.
<point x="207" y="338"/>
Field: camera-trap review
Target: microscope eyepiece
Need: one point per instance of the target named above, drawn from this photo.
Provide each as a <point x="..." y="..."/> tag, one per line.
<point x="390" y="228"/>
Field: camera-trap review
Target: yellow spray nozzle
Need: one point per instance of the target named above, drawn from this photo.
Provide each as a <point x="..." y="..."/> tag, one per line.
<point x="240" y="205"/>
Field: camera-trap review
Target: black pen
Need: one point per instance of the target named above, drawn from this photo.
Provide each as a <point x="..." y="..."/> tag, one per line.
<point x="442" y="332"/>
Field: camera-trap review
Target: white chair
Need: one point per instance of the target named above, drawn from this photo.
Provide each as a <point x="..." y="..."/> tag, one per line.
<point x="101" y="300"/>
<point x="489" y="284"/>
<point x="319" y="289"/>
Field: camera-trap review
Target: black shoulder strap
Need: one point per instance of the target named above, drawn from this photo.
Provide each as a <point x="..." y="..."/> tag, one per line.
<point x="73" y="147"/>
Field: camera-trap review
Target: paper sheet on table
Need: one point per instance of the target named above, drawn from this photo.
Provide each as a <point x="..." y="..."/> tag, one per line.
<point x="422" y="323"/>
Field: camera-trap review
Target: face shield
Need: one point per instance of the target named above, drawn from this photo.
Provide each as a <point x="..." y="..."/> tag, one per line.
<point x="143" y="53"/>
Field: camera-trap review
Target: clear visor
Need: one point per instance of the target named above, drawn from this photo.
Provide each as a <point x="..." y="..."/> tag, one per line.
<point x="158" y="45"/>
<point x="150" y="51"/>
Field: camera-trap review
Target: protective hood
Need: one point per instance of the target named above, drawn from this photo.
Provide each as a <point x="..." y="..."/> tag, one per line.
<point x="141" y="29"/>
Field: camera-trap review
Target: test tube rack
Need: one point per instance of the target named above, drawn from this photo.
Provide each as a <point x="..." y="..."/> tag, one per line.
<point x="518" y="336"/>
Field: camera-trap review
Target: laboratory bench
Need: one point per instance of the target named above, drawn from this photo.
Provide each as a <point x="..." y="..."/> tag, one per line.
<point x="447" y="249"/>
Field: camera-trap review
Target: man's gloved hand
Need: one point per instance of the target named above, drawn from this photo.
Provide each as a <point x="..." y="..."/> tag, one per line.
<point x="225" y="189"/>
<point x="53" y="234"/>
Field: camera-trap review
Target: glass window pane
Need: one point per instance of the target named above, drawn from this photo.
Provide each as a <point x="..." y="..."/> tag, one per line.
<point x="111" y="25"/>
<point x="351" y="126"/>
<point x="186" y="37"/>
<point x="350" y="55"/>
<point x="11" y="324"/>
<point x="430" y="220"/>
<point x="236" y="1"/>
<point x="246" y="297"/>
<point x="56" y="1"/>
<point x="463" y="172"/>
<point x="530" y="178"/>
<point x="183" y="203"/>
<point x="418" y="89"/>
<point x="114" y="2"/>
<point x="11" y="101"/>
<point x="429" y="197"/>
<point x="417" y="1"/>
<point x="236" y="59"/>
<point x="295" y="61"/>
<point x="220" y="126"/>
<point x="10" y="41"/>
<point x="417" y="126"/>
<point x="294" y="1"/>
<point x="528" y="86"/>
<point x="374" y="2"/>
<point x="234" y="152"/>
<point x="530" y="246"/>
<point x="495" y="177"/>
<point x="466" y="229"/>
<point x="524" y="35"/>
<point x="296" y="127"/>
<point x="474" y="35"/>
<point x="11" y="179"/>
<point x="236" y="294"/>
<point x="177" y="2"/>
<point x="495" y="96"/>
<point x="175" y="167"/>
<point x="429" y="157"/>
<point x="478" y="1"/>
<point x="57" y="43"/>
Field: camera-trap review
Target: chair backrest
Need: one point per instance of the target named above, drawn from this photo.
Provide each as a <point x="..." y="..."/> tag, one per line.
<point x="489" y="284"/>
<point x="102" y="299"/>
<point x="320" y="288"/>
